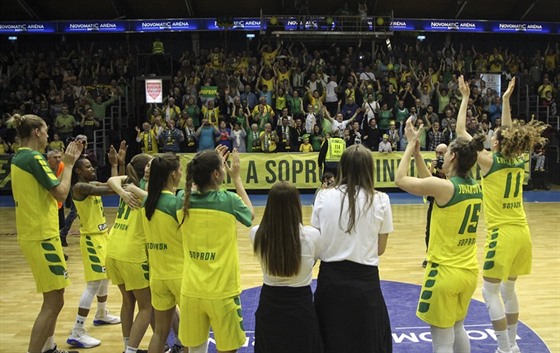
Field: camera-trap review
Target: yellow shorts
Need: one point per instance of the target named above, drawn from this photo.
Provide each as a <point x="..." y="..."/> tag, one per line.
<point x="46" y="259"/>
<point x="94" y="252"/>
<point x="166" y="293"/>
<point x="133" y="275"/>
<point x="508" y="252"/>
<point x="445" y="295"/>
<point x="224" y="315"/>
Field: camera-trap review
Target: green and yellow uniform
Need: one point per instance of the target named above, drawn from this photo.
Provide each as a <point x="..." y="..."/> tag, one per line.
<point x="93" y="239"/>
<point x="127" y="261"/>
<point x="508" y="249"/>
<point x="165" y="250"/>
<point x="37" y="219"/>
<point x="211" y="279"/>
<point x="451" y="274"/>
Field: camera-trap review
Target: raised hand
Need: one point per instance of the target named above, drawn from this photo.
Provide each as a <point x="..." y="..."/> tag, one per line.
<point x="464" y="87"/>
<point x="112" y="155"/>
<point x="412" y="135"/>
<point x="121" y="155"/>
<point x="235" y="168"/>
<point x="510" y="88"/>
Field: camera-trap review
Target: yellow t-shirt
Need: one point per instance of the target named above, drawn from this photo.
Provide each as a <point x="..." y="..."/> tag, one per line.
<point x="306" y="147"/>
<point x="56" y="145"/>
<point x="36" y="209"/>
<point x="149" y="142"/>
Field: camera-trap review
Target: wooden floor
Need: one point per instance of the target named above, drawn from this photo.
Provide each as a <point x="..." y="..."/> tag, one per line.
<point x="539" y="293"/>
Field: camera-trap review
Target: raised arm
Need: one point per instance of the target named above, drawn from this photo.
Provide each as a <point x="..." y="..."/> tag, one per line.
<point x="506" y="110"/>
<point x="327" y="115"/>
<point x="462" y="114"/>
<point x="71" y="154"/>
<point x="440" y="189"/>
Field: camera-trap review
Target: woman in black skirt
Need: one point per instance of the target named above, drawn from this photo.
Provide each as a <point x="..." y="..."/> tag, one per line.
<point x="354" y="220"/>
<point x="285" y="319"/>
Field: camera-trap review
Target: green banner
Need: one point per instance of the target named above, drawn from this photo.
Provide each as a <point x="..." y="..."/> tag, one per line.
<point x="208" y="92"/>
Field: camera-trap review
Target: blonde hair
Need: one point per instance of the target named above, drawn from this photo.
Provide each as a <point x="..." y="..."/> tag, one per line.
<point x="514" y="141"/>
<point x="25" y="124"/>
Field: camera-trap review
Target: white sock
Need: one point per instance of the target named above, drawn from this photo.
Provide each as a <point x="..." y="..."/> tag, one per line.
<point x="512" y="334"/>
<point x="101" y="308"/>
<point x="131" y="350"/>
<point x="49" y="344"/>
<point x="80" y="320"/>
<point x="503" y="340"/>
<point x="125" y="341"/>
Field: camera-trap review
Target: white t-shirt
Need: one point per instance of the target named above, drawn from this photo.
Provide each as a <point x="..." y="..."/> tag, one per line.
<point x="331" y="92"/>
<point x="340" y="126"/>
<point x="310" y="238"/>
<point x="361" y="244"/>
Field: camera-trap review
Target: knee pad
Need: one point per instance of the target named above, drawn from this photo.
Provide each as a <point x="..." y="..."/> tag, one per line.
<point x="89" y="293"/>
<point x="103" y="289"/>
<point x="491" y="295"/>
<point x="442" y="339"/>
<point x="509" y="296"/>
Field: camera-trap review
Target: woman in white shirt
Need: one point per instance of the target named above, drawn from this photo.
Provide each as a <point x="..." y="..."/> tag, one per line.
<point x="285" y="320"/>
<point x="354" y="220"/>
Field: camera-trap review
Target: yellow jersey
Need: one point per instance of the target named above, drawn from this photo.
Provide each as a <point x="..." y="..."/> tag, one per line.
<point x="36" y="209"/>
<point x="91" y="214"/>
<point x="163" y="238"/>
<point x="210" y="243"/>
<point x="453" y="226"/>
<point x="127" y="241"/>
<point x="503" y="192"/>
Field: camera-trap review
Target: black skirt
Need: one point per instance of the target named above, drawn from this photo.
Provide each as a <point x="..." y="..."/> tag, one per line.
<point x="351" y="310"/>
<point x="285" y="321"/>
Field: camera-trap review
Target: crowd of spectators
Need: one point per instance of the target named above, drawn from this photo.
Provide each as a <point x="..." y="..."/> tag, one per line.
<point x="282" y="97"/>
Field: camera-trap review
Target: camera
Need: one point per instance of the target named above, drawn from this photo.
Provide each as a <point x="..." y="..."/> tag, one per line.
<point x="439" y="163"/>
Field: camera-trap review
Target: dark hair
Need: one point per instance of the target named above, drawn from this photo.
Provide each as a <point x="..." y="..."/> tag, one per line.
<point x="355" y="170"/>
<point x="25" y="124"/>
<point x="327" y="176"/>
<point x="466" y="152"/>
<point x="277" y="241"/>
<point x="77" y="164"/>
<point x="199" y="171"/>
<point x="162" y="166"/>
<point x="135" y="168"/>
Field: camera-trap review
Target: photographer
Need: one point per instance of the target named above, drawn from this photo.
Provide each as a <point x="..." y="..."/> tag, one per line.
<point x="435" y="168"/>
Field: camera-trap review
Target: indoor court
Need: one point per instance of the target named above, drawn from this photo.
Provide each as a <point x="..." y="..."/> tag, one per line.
<point x="400" y="269"/>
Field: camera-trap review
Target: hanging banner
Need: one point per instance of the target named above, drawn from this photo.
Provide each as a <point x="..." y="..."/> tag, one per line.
<point x="493" y="81"/>
<point x="260" y="170"/>
<point x="154" y="91"/>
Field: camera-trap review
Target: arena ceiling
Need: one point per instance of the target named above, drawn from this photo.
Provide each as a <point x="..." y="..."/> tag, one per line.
<point x="46" y="10"/>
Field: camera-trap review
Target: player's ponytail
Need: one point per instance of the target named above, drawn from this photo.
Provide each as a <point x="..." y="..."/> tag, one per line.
<point x="25" y="124"/>
<point x="162" y="166"/>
